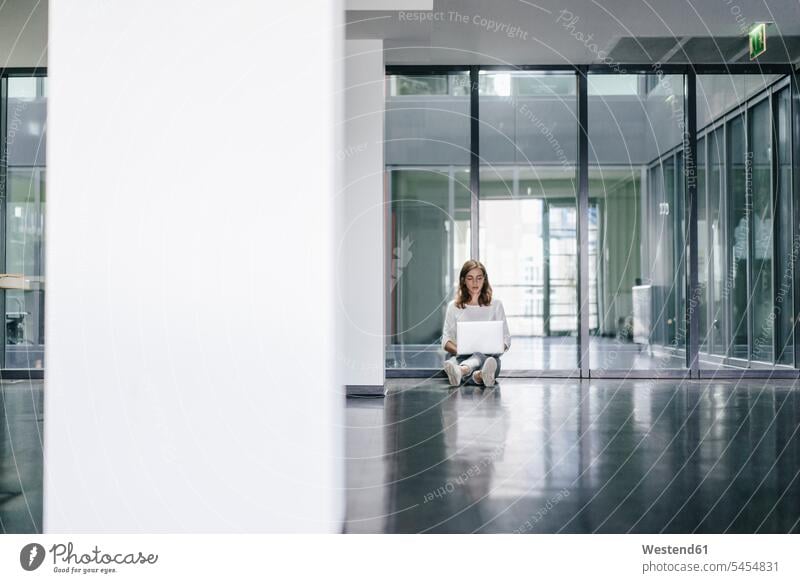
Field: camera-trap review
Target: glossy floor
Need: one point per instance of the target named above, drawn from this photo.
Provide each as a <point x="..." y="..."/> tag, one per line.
<point x="561" y="456"/>
<point x="21" y="455"/>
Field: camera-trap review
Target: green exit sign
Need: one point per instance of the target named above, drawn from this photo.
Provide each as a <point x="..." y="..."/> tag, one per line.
<point x="758" y="40"/>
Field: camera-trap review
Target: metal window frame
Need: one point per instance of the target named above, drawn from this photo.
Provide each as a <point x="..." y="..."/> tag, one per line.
<point x="794" y="149"/>
<point x="690" y="193"/>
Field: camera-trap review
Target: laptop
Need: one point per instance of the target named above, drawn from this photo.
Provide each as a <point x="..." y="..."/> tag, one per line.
<point x="485" y="337"/>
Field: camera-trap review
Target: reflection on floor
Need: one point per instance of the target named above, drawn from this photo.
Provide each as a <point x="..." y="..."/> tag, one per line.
<point x="552" y="456"/>
<point x="21" y="456"/>
<point x="553" y="353"/>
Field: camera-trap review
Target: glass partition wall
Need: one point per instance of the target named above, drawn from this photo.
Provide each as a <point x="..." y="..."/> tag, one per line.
<point x="748" y="273"/>
<point x="23" y="123"/>
<point x="485" y="162"/>
<point x="636" y="190"/>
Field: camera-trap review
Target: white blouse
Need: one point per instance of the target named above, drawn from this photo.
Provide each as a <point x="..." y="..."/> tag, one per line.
<point x="492" y="312"/>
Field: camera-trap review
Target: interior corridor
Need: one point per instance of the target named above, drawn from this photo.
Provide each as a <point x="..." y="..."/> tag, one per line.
<point x="563" y="456"/>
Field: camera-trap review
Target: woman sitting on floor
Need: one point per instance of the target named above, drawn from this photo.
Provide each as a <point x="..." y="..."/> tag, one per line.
<point x="473" y="303"/>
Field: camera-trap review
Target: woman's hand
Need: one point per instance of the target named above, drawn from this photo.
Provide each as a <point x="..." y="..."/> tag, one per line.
<point x="451" y="347"/>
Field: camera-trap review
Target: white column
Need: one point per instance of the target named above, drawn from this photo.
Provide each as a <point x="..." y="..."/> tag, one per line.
<point x="361" y="263"/>
<point x="191" y="381"/>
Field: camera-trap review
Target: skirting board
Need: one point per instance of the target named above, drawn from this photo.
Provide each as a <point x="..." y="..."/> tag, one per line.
<point x="365" y="390"/>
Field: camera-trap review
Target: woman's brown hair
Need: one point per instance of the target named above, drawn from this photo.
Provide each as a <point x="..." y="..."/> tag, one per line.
<point x="462" y="294"/>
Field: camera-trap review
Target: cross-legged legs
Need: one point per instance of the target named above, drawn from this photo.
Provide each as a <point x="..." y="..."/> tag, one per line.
<point x="477" y="368"/>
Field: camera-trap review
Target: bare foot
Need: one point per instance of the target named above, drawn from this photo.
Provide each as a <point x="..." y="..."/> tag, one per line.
<point x="464" y="369"/>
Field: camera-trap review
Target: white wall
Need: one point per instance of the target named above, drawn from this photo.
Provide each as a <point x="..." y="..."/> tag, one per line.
<point x="191" y="379"/>
<point x="23" y="33"/>
<point x="361" y="253"/>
